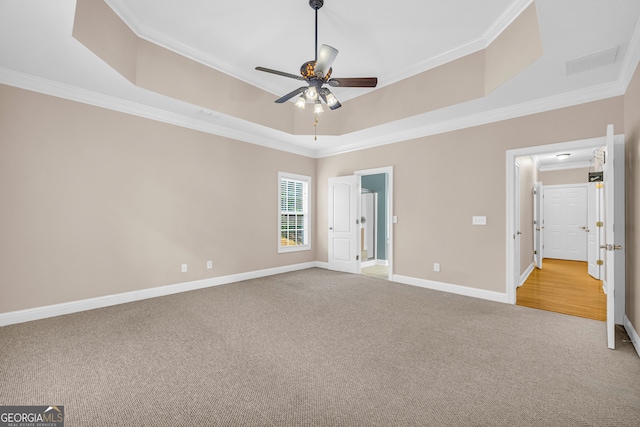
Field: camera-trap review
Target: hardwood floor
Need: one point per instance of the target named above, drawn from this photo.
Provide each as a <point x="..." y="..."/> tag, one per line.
<point x="564" y="287"/>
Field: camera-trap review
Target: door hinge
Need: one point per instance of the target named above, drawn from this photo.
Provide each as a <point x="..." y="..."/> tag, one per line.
<point x="600" y="262"/>
<point x="535" y="252"/>
<point x="357" y="257"/>
<point x="599" y="224"/>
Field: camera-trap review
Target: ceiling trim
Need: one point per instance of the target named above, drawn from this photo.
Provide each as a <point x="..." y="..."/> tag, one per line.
<point x="243" y="130"/>
<point x="60" y="90"/>
<point x="374" y="137"/>
<point x="457" y="52"/>
<point x="505" y="20"/>
<point x="631" y="58"/>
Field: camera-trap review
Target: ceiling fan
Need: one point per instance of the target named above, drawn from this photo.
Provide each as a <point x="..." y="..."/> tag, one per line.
<point x="317" y="73"/>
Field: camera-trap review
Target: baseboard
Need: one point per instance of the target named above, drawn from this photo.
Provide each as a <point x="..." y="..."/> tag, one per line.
<point x="525" y="275"/>
<point x="44" y="312"/>
<point x="368" y="263"/>
<point x="635" y="338"/>
<point x="454" y="289"/>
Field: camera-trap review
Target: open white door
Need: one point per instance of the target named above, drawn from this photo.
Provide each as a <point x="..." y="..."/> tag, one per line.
<point x="518" y="233"/>
<point x="537" y="224"/>
<point x="609" y="245"/>
<point x="343" y="224"/>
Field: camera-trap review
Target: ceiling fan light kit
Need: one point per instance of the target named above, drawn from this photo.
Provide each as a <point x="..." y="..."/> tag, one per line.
<point x="318" y="72"/>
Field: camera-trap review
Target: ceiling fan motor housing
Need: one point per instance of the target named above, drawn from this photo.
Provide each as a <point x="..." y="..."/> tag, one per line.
<point x="316" y="4"/>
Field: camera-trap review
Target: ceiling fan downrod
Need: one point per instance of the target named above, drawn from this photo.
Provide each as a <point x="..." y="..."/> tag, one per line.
<point x="315" y="5"/>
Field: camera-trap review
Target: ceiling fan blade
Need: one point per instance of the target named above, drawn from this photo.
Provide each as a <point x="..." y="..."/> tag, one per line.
<point x="280" y="73"/>
<point x="291" y="94"/>
<point x="326" y="56"/>
<point x="354" y="82"/>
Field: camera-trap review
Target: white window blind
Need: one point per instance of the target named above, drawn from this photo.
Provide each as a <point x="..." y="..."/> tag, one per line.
<point x="294" y="212"/>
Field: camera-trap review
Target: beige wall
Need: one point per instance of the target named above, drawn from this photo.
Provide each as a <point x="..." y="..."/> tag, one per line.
<point x="441" y="181"/>
<point x="96" y="202"/>
<point x="528" y="178"/>
<point x="632" y="188"/>
<point x="565" y="176"/>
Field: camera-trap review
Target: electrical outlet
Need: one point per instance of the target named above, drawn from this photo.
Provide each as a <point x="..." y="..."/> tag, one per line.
<point x="436" y="267"/>
<point x="209" y="265"/>
<point x="184" y="268"/>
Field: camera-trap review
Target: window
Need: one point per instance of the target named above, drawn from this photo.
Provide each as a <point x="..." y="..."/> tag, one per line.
<point x="294" y="212"/>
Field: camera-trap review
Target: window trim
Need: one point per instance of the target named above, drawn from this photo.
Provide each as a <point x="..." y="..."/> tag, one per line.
<point x="307" y="212"/>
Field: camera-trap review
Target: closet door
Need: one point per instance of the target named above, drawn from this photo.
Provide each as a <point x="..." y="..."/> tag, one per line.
<point x="565" y="221"/>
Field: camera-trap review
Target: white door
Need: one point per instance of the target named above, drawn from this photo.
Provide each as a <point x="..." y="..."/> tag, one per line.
<point x="565" y="220"/>
<point x="538" y="224"/>
<point x="343" y="224"/>
<point x="518" y="233"/>
<point x="609" y="245"/>
<point x="593" y="238"/>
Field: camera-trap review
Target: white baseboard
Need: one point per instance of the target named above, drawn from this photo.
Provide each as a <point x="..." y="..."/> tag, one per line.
<point x="44" y="312"/>
<point x="525" y="275"/>
<point x="635" y="338"/>
<point x="320" y="264"/>
<point x="454" y="289"/>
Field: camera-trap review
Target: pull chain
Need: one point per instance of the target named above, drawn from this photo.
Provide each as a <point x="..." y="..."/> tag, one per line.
<point x="315" y="129"/>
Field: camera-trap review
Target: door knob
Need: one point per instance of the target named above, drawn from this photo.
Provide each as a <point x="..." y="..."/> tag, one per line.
<point x="330" y="228"/>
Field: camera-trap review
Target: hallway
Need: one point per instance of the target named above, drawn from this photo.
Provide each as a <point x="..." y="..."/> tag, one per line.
<point x="564" y="287"/>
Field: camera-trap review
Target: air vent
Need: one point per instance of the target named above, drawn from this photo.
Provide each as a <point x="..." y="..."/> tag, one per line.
<point x="592" y="61"/>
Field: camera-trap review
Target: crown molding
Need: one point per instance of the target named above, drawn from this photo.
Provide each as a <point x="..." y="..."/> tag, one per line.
<point x="631" y="58"/>
<point x="377" y="137"/>
<point x="264" y="136"/>
<point x="482" y="42"/>
<point x="234" y="128"/>
<point x="504" y="20"/>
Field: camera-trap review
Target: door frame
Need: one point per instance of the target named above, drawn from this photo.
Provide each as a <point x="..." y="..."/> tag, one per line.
<point x="511" y="156"/>
<point x="389" y="208"/>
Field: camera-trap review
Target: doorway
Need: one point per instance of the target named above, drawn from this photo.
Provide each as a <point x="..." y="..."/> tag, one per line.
<point x="344" y="220"/>
<point x="375" y="222"/>
<point x="513" y="203"/>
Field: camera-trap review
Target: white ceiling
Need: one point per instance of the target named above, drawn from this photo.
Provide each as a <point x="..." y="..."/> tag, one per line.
<point x="390" y="40"/>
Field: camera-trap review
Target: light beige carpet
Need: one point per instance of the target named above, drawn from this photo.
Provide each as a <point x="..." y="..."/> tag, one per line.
<point x="319" y="348"/>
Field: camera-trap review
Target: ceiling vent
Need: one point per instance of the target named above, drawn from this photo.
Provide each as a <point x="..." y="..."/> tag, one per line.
<point x="592" y="61"/>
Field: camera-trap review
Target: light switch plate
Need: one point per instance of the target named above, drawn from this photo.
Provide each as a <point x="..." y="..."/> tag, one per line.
<point x="479" y="220"/>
